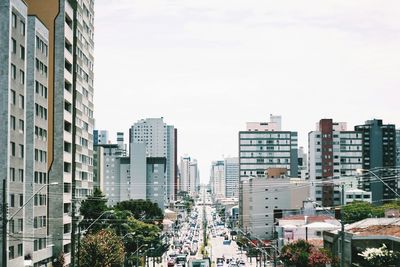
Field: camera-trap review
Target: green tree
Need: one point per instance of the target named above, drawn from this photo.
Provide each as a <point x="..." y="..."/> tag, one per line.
<point x="136" y="234"/>
<point x="360" y="210"/>
<point x="91" y="208"/>
<point x="143" y="210"/>
<point x="102" y="249"/>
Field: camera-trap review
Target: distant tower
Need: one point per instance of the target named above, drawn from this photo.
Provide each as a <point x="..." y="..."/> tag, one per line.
<point x="120" y="140"/>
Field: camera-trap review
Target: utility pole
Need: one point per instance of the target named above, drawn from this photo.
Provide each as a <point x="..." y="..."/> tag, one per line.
<point x="342" y="232"/>
<point x="79" y="245"/>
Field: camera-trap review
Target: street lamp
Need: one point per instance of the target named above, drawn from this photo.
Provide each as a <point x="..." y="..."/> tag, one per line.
<point x="105" y="212"/>
<point x="137" y="246"/>
<point x="8" y="219"/>
<point x="84" y="231"/>
<point x="137" y="252"/>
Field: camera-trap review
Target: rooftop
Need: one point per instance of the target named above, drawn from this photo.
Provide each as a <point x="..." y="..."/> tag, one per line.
<point x="391" y="230"/>
<point x="310" y="219"/>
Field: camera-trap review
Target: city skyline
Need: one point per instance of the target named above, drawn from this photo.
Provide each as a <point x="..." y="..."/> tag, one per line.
<point x="208" y="67"/>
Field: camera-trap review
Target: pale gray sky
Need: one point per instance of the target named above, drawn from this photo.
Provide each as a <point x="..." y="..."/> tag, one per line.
<point x="208" y="66"/>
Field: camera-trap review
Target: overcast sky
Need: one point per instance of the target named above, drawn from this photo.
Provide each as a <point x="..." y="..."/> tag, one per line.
<point x="209" y="66"/>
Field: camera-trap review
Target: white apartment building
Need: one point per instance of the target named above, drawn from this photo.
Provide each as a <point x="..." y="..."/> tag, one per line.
<point x="265" y="145"/>
<point x="334" y="153"/>
<point x="355" y="194"/>
<point x="184" y="168"/>
<point x="24" y="42"/>
<point x="263" y="198"/>
<point x="217" y="179"/>
<point x="155" y="139"/>
<point x="194" y="177"/>
<point x="112" y="173"/>
<point x="231" y="177"/>
<point x="398" y="149"/>
<point x="52" y="144"/>
<point x="303" y="164"/>
<point x="189" y="175"/>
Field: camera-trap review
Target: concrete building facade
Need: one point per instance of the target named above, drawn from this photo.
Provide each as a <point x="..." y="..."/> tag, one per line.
<point x="266" y="146"/>
<point x="156" y="176"/>
<point x="184" y="174"/>
<point x="231" y="177"/>
<point x="379" y="157"/>
<point x="264" y="198"/>
<point x="100" y="137"/>
<point x="398" y="148"/>
<point x="194" y="174"/>
<point x="47" y="95"/>
<point x="217" y="179"/>
<point x="334" y="153"/>
<point x="158" y="139"/>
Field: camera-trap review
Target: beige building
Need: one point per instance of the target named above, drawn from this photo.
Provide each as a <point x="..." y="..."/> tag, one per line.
<point x="264" y="198"/>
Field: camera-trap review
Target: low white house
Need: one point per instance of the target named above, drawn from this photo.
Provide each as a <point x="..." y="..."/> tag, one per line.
<point x="355" y="194"/>
<point x="306" y="227"/>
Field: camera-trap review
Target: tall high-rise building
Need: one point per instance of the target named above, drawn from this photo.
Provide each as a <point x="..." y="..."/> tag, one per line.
<point x="264" y="145"/>
<point x="334" y="153"/>
<point x="184" y="168"/>
<point x="194" y="177"/>
<point x="155" y="139"/>
<point x="217" y="178"/>
<point x="46" y="124"/>
<point x="24" y="42"/>
<point x="189" y="175"/>
<point x="379" y="156"/>
<point x="302" y="163"/>
<point x="231" y="177"/>
<point x="398" y="148"/>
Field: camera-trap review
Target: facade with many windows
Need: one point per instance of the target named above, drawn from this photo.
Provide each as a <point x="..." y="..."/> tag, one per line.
<point x="334" y="153"/>
<point x="379" y="157"/>
<point x="47" y="124"/>
<point x="24" y="43"/>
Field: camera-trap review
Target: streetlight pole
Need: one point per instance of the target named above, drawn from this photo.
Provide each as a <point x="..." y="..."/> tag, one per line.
<point x="342" y="229"/>
<point x="84" y="232"/>
<point x="6" y="220"/>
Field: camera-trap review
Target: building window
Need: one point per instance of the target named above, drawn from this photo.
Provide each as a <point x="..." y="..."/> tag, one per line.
<point x="14" y="46"/>
<point x="12" y="148"/>
<point x="20" y="226"/>
<point x="12" y="200"/>
<point x="13" y="97"/>
<point x="21" y="101"/>
<point x="21" y="175"/>
<point x="12" y="123"/>
<point x="21" y="76"/>
<point x="21" y="151"/>
<point x="11" y="252"/>
<point x="22" y="52"/>
<point x="21" y="126"/>
<point x="13" y="72"/>
<point x="22" y="28"/>
<point x="12" y="174"/>
<point x="14" y="20"/>
<point x="20" y="250"/>
<point x="12" y="226"/>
